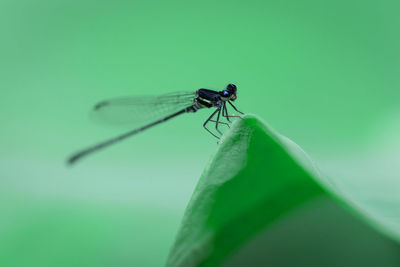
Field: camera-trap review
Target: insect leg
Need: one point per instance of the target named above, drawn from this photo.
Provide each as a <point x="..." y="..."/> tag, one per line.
<point x="225" y="113"/>
<point x="221" y="122"/>
<point x="216" y="123"/>
<point x="209" y="118"/>
<point x="230" y="116"/>
<point x="234" y="107"/>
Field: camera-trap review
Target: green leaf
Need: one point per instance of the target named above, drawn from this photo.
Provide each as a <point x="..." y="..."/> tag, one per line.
<point x="261" y="201"/>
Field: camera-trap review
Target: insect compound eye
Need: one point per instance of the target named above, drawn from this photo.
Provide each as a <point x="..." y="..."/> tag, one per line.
<point x="231" y="87"/>
<point x="225" y="93"/>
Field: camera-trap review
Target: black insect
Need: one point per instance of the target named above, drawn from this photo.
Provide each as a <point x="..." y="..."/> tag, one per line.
<point x="159" y="109"/>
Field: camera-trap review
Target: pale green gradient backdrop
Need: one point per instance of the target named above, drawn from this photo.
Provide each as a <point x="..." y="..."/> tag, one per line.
<point x="324" y="73"/>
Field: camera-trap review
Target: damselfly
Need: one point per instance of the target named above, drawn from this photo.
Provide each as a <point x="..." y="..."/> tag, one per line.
<point x="150" y="111"/>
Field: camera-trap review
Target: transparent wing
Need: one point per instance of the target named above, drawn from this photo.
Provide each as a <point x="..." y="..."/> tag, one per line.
<point x="142" y="109"/>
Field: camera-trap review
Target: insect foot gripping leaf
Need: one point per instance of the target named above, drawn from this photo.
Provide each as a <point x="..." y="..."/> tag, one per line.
<point x="260" y="202"/>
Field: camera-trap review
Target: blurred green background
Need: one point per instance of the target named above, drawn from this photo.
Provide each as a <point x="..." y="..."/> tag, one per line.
<point x="324" y="73"/>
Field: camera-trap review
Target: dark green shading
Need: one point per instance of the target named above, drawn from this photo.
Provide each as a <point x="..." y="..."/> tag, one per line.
<point x="256" y="179"/>
<point x="320" y="232"/>
<point x="251" y="182"/>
